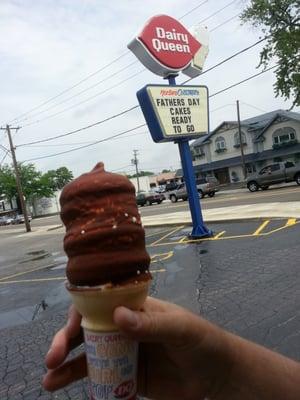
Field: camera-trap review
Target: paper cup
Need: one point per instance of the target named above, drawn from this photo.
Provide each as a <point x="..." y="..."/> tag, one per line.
<point x="111" y="358"/>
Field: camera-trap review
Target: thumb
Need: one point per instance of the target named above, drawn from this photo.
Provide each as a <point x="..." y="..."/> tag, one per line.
<point x="151" y="326"/>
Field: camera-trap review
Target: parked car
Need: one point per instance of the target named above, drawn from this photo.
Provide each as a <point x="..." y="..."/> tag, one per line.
<point x="20" y="219"/>
<point x="149" y="198"/>
<point x="6" y="220"/>
<point x="171" y="186"/>
<point x="273" y="174"/>
<point x="205" y="186"/>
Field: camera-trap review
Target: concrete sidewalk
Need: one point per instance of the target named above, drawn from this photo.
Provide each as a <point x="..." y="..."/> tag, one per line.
<point x="242" y="212"/>
<point x="231" y="213"/>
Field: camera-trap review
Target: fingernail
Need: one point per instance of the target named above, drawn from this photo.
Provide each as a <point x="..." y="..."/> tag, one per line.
<point x="49" y="351"/>
<point x="131" y="318"/>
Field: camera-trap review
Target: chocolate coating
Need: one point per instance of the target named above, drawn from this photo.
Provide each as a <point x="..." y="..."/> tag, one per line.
<point x="104" y="240"/>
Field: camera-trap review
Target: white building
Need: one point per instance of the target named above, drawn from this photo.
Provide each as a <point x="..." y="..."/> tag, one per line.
<point x="267" y="138"/>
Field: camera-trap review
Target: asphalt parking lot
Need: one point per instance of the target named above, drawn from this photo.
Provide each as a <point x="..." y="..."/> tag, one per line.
<point x="245" y="278"/>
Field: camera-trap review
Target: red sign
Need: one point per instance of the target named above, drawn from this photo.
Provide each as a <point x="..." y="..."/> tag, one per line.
<point x="124" y="389"/>
<point x="166" y="47"/>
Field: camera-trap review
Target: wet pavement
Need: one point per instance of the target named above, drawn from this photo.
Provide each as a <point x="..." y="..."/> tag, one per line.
<point x="246" y="279"/>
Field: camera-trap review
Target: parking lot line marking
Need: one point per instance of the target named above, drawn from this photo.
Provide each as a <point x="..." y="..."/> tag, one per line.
<point x="34" y="280"/>
<point x="158" y="233"/>
<point x="183" y="239"/>
<point x="261" y="227"/>
<point x="168" y="234"/>
<point x="26" y="272"/>
<point x="203" y="240"/>
<point x="219" y="235"/>
<point x="161" y="256"/>
<point x="157" y="270"/>
<point x="291" y="221"/>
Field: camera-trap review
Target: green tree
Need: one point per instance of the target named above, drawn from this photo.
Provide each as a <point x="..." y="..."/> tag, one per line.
<point x="59" y="178"/>
<point x="279" y="21"/>
<point x="164" y="171"/>
<point x="35" y="184"/>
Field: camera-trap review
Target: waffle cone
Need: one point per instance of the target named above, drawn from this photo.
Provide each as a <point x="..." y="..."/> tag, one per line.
<point x="97" y="304"/>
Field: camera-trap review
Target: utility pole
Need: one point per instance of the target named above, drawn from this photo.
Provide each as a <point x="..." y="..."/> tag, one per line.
<point x="240" y="138"/>
<point x="18" y="180"/>
<point x="135" y="162"/>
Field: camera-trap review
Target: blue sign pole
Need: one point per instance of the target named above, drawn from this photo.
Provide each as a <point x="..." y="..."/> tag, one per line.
<point x="199" y="229"/>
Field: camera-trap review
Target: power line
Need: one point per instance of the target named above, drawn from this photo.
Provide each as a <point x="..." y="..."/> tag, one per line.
<point x="243" y="81"/>
<point x="79" y="93"/>
<point x="193" y="9"/>
<point x="227" y="59"/>
<point x="139" y="126"/>
<point x="137" y="106"/>
<point x="106" y="90"/>
<point x="92" y="74"/>
<point x="223" y="23"/>
<point x="84" y="101"/>
<point x="4" y="157"/>
<point x="80" y="129"/>
<point x="77" y="143"/>
<point x="72" y="87"/>
<point x="255" y="107"/>
<point x="217" y="12"/>
<point x="87" y="145"/>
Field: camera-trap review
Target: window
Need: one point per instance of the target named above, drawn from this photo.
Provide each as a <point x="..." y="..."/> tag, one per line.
<point x="237" y="139"/>
<point x="284" y="135"/>
<point x="269" y="169"/>
<point x="220" y="144"/>
<point x="275" y="167"/>
<point x="289" y="164"/>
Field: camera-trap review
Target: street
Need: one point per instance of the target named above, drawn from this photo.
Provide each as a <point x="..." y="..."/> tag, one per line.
<point x="245" y="278"/>
<point x="282" y="194"/>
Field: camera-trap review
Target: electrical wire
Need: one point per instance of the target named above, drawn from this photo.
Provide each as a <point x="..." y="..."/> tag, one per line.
<point x="72" y="87"/>
<point x="77" y="143"/>
<point x="87" y="145"/>
<point x="4" y="157"/>
<point x="79" y="93"/>
<point x="139" y="126"/>
<point x="193" y="9"/>
<point x="217" y="12"/>
<point x="243" y="81"/>
<point x="84" y="101"/>
<point x="223" y="23"/>
<point x="92" y="74"/>
<point x="227" y="59"/>
<point x="137" y="106"/>
<point x="109" y="77"/>
<point x="255" y="107"/>
<point x="80" y="129"/>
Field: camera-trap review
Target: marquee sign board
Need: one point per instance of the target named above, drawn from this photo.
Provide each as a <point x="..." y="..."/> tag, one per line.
<point x="166" y="47"/>
<point x="175" y="112"/>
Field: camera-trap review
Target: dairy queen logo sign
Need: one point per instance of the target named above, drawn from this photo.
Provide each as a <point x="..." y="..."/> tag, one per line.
<point x="166" y="47"/>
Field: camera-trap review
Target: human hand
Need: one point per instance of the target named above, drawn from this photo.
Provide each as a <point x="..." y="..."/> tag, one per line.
<point x="178" y="357"/>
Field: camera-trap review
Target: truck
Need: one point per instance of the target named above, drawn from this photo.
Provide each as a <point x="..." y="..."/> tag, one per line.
<point x="273" y="174"/>
<point x="205" y="186"/>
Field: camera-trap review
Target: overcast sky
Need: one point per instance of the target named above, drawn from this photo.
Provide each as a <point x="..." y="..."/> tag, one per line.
<point x="48" y="46"/>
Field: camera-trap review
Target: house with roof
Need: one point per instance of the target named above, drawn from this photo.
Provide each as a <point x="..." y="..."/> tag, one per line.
<point x="266" y="138"/>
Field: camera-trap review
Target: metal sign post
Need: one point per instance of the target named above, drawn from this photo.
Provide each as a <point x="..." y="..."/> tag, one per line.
<point x="175" y="113"/>
<point x="199" y="229"/>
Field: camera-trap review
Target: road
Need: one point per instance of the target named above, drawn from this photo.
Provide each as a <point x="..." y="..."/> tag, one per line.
<point x="285" y="194"/>
<point x="222" y="199"/>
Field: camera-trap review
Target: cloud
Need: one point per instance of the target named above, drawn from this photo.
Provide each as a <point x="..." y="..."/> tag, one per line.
<point x="47" y="46"/>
